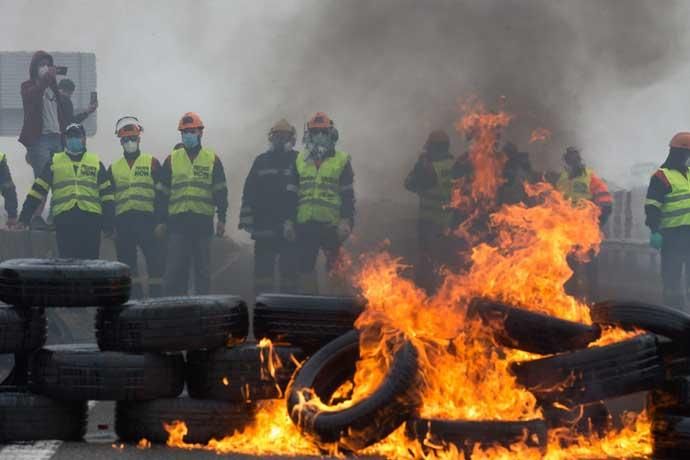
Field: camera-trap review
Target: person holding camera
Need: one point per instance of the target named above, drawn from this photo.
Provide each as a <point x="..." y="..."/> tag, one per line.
<point x="66" y="88"/>
<point x="44" y="118"/>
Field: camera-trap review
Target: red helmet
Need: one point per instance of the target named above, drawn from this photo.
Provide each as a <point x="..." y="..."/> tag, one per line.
<point x="680" y="141"/>
<point x="190" y="120"/>
<point x="320" y="121"/>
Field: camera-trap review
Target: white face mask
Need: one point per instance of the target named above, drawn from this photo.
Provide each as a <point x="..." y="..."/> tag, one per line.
<point x="42" y="70"/>
<point x="131" y="146"/>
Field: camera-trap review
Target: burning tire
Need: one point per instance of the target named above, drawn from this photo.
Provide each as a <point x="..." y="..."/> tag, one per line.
<point x="30" y="417"/>
<point x="82" y="372"/>
<point x="171" y="324"/>
<point x="367" y="421"/>
<point x="659" y="319"/>
<point x="595" y="374"/>
<point x="64" y="282"/>
<point x="308" y="322"/>
<point x="534" y="332"/>
<point x="674" y="394"/>
<point x="586" y="419"/>
<point x="671" y="435"/>
<point x="204" y="419"/>
<point x="242" y="373"/>
<point x="22" y="329"/>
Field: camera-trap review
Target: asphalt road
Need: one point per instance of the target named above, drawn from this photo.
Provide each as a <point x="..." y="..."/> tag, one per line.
<point x="101" y="443"/>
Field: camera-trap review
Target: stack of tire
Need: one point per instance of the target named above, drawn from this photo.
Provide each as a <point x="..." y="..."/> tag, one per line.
<point x="28" y="413"/>
<point x="655" y="361"/>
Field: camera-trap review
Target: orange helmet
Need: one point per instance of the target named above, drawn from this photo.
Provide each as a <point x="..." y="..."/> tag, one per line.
<point x="190" y="120"/>
<point x="680" y="141"/>
<point x="128" y="126"/>
<point x="319" y="120"/>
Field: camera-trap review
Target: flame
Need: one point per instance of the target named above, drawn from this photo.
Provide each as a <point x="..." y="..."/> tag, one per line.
<point x="144" y="444"/>
<point x="540" y="135"/>
<point x="519" y="255"/>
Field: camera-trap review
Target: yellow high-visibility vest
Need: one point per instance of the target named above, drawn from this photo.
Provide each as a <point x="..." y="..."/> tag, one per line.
<point x="319" y="189"/>
<point x="134" y="187"/>
<point x="192" y="183"/>
<point x="76" y="188"/>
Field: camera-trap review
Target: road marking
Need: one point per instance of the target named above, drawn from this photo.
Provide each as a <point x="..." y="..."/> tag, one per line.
<point x="39" y="450"/>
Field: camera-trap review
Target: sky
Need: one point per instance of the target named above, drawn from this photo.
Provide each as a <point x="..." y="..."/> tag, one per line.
<point x="609" y="76"/>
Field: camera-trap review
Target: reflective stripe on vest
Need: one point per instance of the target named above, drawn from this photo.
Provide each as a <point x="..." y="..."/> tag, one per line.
<point x="78" y="188"/>
<point x="319" y="189"/>
<point x="192" y="189"/>
<point x="675" y="211"/>
<point x="433" y="203"/>
<point x="134" y="187"/>
<point x="577" y="188"/>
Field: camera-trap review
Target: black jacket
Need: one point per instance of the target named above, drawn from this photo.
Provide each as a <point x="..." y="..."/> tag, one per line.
<point x="269" y="197"/>
<point x="68" y="111"/>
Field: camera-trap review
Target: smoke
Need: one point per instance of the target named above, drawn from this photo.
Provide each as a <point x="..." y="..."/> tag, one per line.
<point x="387" y="71"/>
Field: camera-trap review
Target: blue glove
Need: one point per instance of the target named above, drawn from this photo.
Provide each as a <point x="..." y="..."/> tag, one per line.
<point x="656" y="240"/>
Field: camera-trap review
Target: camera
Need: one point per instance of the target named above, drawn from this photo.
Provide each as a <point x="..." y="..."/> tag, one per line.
<point x="60" y="70"/>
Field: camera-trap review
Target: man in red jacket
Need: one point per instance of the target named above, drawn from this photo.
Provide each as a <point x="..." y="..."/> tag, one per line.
<point x="44" y="120"/>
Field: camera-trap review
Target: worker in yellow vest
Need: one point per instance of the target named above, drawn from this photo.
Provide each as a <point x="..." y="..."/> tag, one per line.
<point x="667" y="209"/>
<point x="194" y="189"/>
<point x="326" y="202"/>
<point x="137" y="207"/>
<point x="432" y="179"/>
<point x="82" y="200"/>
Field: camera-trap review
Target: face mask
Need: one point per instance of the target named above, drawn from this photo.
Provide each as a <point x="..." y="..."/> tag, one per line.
<point x="74" y="146"/>
<point x="321" y="140"/>
<point x="190" y="140"/>
<point x="42" y="70"/>
<point x="131" y="146"/>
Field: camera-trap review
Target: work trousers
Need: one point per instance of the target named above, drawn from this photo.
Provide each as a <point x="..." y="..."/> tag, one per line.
<point x="675" y="256"/>
<point x="266" y="252"/>
<point x="136" y="231"/>
<point x="584" y="283"/>
<point x="437" y="250"/>
<point x="311" y="239"/>
<point x="188" y="253"/>
<point x="78" y="234"/>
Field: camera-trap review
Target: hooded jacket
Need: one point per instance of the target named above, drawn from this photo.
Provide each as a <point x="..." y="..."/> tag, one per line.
<point x="32" y="99"/>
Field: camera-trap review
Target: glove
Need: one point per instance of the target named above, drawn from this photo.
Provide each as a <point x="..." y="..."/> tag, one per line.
<point x="220" y="229"/>
<point x="656" y="240"/>
<point x="344" y="229"/>
<point x="160" y="231"/>
<point x="289" y="231"/>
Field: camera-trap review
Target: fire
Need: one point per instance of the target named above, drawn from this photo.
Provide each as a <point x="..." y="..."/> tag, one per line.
<point x="144" y="444"/>
<point x="540" y="135"/>
<point x="519" y="256"/>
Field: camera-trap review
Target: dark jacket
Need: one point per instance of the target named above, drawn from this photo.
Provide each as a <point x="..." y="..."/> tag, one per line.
<point x="659" y="187"/>
<point x="39" y="192"/>
<point x="190" y="223"/>
<point x="269" y="197"/>
<point x="8" y="190"/>
<point x="68" y="111"/>
<point x="423" y="176"/>
<point x="32" y="99"/>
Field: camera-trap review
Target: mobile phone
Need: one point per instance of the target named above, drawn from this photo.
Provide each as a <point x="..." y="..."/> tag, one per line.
<point x="60" y="70"/>
<point x="94" y="98"/>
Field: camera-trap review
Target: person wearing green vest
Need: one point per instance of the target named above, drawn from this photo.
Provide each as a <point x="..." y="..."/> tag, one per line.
<point x="194" y="189"/>
<point x="326" y="203"/>
<point x="431" y="179"/>
<point x="137" y="207"/>
<point x="9" y="192"/>
<point x="667" y="210"/>
<point x="82" y="199"/>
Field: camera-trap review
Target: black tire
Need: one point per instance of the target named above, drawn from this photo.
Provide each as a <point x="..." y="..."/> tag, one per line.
<point x="465" y="435"/>
<point x="82" y="372"/>
<point x="172" y="324"/>
<point x="26" y="416"/>
<point x="670" y="433"/>
<point x="64" y="282"/>
<point x="659" y="319"/>
<point x="240" y="373"/>
<point x="367" y="421"/>
<point x="534" y="332"/>
<point x="586" y="420"/>
<point x="22" y="329"/>
<point x="305" y="321"/>
<point x="204" y="419"/>
<point x="674" y="394"/>
<point x="595" y="374"/>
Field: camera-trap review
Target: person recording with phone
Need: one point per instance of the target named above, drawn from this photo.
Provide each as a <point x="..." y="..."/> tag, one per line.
<point x="44" y="118"/>
<point x="66" y="88"/>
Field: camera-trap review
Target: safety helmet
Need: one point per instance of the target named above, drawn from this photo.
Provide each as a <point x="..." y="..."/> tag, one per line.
<point x="282" y="126"/>
<point x="680" y="141"/>
<point x="190" y="120"/>
<point x="128" y="126"/>
<point x="320" y="121"/>
<point x="75" y="127"/>
<point x="438" y="137"/>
